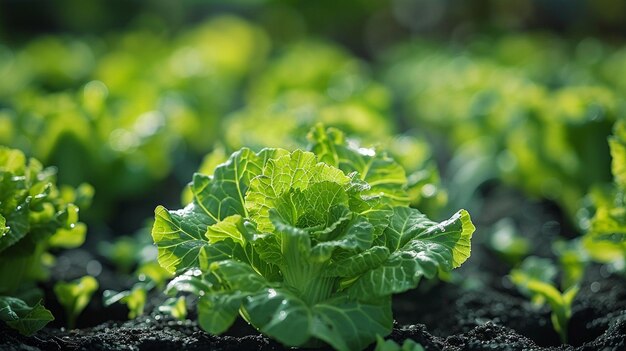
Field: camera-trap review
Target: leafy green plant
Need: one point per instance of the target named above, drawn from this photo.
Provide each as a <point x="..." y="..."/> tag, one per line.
<point x="545" y="138"/>
<point x="308" y="247"/>
<point x="535" y="279"/>
<point x="74" y="296"/>
<point x="35" y="216"/>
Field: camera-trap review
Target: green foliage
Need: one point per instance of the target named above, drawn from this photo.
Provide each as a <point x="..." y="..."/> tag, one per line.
<point x="308" y="247"/>
<point x="24" y="318"/>
<point x="540" y="131"/>
<point x="605" y="221"/>
<point x="176" y="307"/>
<point x="35" y="216"/>
<point x="534" y="278"/>
<point x="123" y="107"/>
<point x="133" y="251"/>
<point x="74" y="296"/>
<point x="390" y="345"/>
<point x="134" y="299"/>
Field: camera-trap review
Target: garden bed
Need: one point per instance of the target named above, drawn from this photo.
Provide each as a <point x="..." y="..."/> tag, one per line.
<point x="440" y="316"/>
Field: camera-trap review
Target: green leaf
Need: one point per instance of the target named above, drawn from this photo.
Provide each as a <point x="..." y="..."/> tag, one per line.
<point x="384" y="176"/>
<point x="75" y="296"/>
<point x="18" y="224"/>
<point x="135" y="299"/>
<point x="3" y="228"/>
<point x="343" y="324"/>
<point x="312" y="208"/>
<point x="218" y="311"/>
<point x="419" y="247"/>
<point x="295" y="171"/>
<point x="175" y="307"/>
<point x="357" y="237"/>
<point x="222" y="194"/>
<point x="534" y="283"/>
<point x="279" y="314"/>
<point x="179" y="236"/>
<point x="12" y="160"/>
<point x="231" y="227"/>
<point x="25" y="319"/>
<point x="358" y="264"/>
<point x="390" y="345"/>
<point x="351" y="325"/>
<point x="69" y="238"/>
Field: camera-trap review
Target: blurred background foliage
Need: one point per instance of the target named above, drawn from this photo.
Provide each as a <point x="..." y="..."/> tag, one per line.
<point x="134" y="96"/>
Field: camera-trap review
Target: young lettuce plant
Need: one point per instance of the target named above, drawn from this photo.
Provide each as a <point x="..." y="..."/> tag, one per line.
<point x="307" y="247"/>
<point x="535" y="279"/>
<point x="35" y="215"/>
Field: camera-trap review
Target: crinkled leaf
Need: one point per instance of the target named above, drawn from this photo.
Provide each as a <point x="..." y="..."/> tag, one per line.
<point x="179" y="236"/>
<point x="296" y="171"/>
<point x="357" y="237"/>
<point x="384" y="175"/>
<point x="312" y="207"/>
<point x="222" y="194"/>
<point x="231" y="227"/>
<point x="356" y="265"/>
<point x="429" y="246"/>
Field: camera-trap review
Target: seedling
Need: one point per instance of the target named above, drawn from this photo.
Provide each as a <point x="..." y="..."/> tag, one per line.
<point x="74" y="296"/>
<point x="149" y="276"/>
<point x="308" y="247"/>
<point x="175" y="307"/>
<point x="534" y="278"/>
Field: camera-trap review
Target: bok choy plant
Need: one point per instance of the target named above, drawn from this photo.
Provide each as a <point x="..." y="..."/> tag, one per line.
<point x="307" y="246"/>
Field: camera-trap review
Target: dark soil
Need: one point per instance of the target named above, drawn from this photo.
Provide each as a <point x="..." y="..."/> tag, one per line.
<point x="480" y="311"/>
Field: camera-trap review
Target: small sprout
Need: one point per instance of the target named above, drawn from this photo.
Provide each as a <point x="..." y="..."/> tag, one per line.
<point x="534" y="278"/>
<point x="149" y="276"/>
<point x="75" y="296"/>
<point x="134" y="299"/>
<point x="390" y="345"/>
<point x="176" y="307"/>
